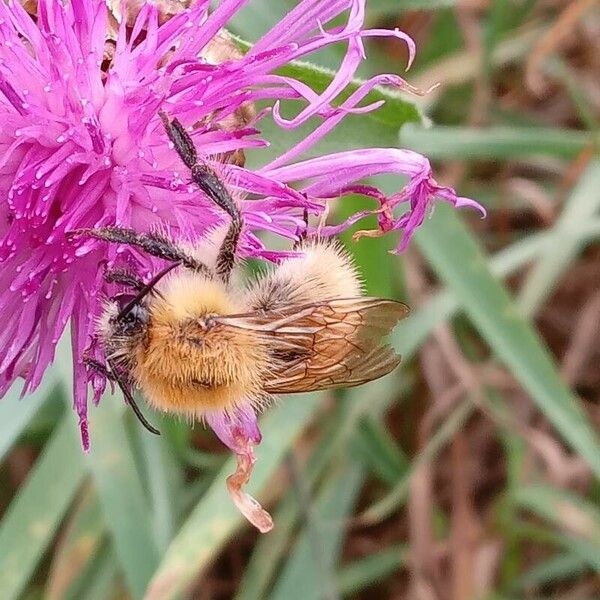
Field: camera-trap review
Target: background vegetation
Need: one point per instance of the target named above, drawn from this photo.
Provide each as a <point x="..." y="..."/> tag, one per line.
<point x="473" y="472"/>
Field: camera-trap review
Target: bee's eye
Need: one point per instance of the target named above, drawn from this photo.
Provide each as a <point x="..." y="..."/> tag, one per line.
<point x="138" y="314"/>
<point x="133" y="318"/>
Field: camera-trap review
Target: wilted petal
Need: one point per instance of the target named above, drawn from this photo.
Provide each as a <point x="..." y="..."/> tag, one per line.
<point x="238" y="429"/>
<point x="334" y="175"/>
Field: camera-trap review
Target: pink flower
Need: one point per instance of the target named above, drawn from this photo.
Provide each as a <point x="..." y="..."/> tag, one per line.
<point x="82" y="146"/>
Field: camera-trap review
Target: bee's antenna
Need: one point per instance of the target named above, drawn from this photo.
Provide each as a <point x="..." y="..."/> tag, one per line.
<point x="149" y="287"/>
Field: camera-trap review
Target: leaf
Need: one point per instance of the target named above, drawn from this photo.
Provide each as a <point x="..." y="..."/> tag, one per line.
<point x="397" y="109"/>
<point x="372" y="569"/>
<point x="269" y="551"/>
<point x="99" y="583"/>
<point x="77" y="548"/>
<point x="36" y="512"/>
<point x="562" y="249"/>
<point x="458" y="261"/>
<point x="255" y="19"/>
<point x="308" y="572"/>
<point x="371" y="254"/>
<point x="397" y="495"/>
<point x="164" y="477"/>
<point x="120" y="491"/>
<point x="445" y="142"/>
<point x="215" y="518"/>
<point x="566" y="565"/>
<point x="16" y="413"/>
<point x="336" y="437"/>
<point x="578" y="519"/>
<point x="412" y="331"/>
<point x="395" y="7"/>
<point x="378" y="450"/>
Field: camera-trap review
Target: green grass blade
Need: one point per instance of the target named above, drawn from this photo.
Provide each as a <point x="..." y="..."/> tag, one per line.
<point x="446" y="142"/>
<point x="394" y="7"/>
<point x="165" y="482"/>
<point x="269" y="552"/>
<point x="377" y="449"/>
<point x="457" y="259"/>
<point x="256" y="18"/>
<point x="577" y="519"/>
<point x="338" y="434"/>
<point x="120" y="491"/>
<point x="562" y="249"/>
<point x="16" y="413"/>
<point x="99" y="584"/>
<point x="308" y="573"/>
<point x="412" y="331"/>
<point x="372" y="569"/>
<point x="398" y="494"/>
<point x="215" y="518"/>
<point x="78" y="547"/>
<point x="562" y="566"/>
<point x="35" y="513"/>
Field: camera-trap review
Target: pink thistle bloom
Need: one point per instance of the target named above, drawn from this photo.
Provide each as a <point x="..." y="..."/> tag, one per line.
<point x="82" y="146"/>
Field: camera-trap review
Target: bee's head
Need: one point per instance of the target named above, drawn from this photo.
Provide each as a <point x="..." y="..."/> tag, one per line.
<point x="123" y="325"/>
<point x="124" y="321"/>
<point x="129" y="317"/>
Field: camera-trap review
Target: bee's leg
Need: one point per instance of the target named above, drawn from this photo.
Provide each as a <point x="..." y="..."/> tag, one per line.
<point x="124" y="277"/>
<point x="206" y="179"/>
<point x="152" y="243"/>
<point x="227" y="251"/>
<point x="97" y="366"/>
<point x="112" y="375"/>
<point x="130" y="400"/>
<point x="302" y="233"/>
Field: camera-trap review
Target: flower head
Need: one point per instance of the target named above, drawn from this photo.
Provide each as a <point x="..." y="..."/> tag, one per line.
<point x="82" y="146"/>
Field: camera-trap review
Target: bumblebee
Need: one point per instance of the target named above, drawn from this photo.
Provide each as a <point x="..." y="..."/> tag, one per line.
<point x="192" y="341"/>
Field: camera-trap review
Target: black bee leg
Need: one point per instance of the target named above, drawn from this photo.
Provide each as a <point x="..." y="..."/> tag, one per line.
<point x="124" y="277"/>
<point x="302" y="233"/>
<point x="206" y="179"/>
<point x="228" y="249"/>
<point x="184" y="145"/>
<point x="152" y="243"/>
<point x="97" y="366"/>
<point x="113" y="375"/>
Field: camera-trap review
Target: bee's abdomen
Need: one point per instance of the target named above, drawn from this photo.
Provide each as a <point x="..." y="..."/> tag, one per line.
<point x="325" y="271"/>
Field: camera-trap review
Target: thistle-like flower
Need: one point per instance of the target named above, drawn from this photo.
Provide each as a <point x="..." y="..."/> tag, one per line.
<point x="82" y="146"/>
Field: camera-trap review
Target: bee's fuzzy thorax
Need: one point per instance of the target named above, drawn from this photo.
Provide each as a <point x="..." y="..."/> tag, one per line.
<point x="187" y="364"/>
<point x="188" y="295"/>
<point x="324" y="271"/>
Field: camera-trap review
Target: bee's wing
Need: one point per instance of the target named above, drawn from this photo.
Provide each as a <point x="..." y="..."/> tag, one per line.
<point x="324" y="345"/>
